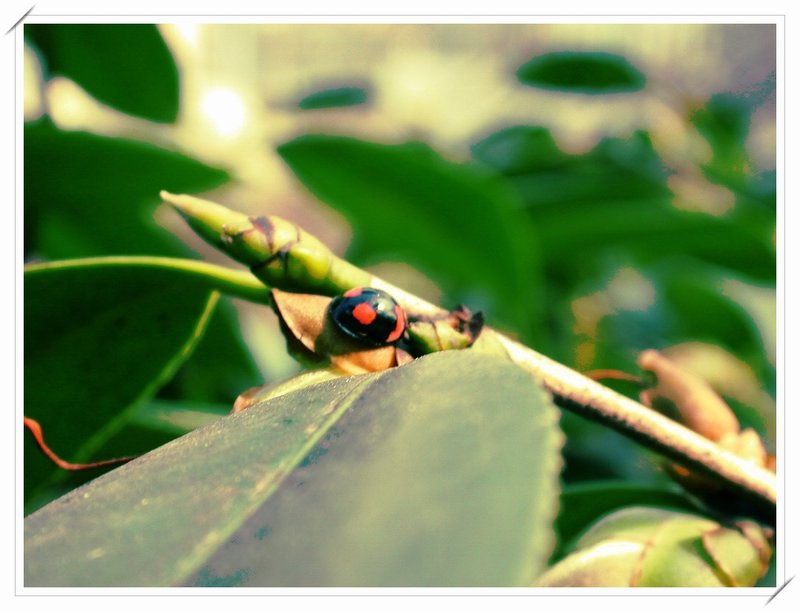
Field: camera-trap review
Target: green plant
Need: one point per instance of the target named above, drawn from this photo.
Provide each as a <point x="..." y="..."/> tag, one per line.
<point x="456" y="468"/>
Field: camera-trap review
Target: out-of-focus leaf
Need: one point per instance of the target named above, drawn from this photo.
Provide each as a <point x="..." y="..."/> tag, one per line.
<point x="585" y="502"/>
<point x="770" y="577"/>
<point x="127" y="66"/>
<point x="457" y="223"/>
<point x="543" y="174"/>
<point x="649" y="547"/>
<point x="689" y="304"/>
<point x="177" y="417"/>
<point x="595" y="452"/>
<point x="581" y="72"/>
<point x="91" y="195"/>
<point x="98" y="340"/>
<point x="724" y="122"/>
<point x="519" y="150"/>
<point x="702" y="310"/>
<point x="221" y="365"/>
<point x="419" y="483"/>
<point x="333" y="98"/>
<point x="614" y="201"/>
<point x="743" y="560"/>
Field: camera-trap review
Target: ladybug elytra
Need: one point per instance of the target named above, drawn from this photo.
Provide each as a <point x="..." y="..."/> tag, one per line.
<point x="369" y="315"/>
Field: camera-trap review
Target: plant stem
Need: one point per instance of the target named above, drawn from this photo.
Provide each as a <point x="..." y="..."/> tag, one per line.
<point x="229" y="281"/>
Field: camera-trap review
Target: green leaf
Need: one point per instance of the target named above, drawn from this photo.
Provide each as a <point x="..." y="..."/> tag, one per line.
<point x="98" y="340"/>
<point x="702" y="309"/>
<point x="177" y="417"/>
<point x="690" y="304"/>
<point x="741" y="559"/>
<point x="456" y="222"/>
<point x="520" y="149"/>
<point x="585" y="502"/>
<point x="596" y="452"/>
<point x="88" y="195"/>
<point x="441" y="472"/>
<point x="614" y="202"/>
<point x="127" y="66"/>
<point x="221" y="366"/>
<point x="581" y="72"/>
<point x="615" y="169"/>
<point x="725" y="122"/>
<point x="649" y="547"/>
<point x="334" y="97"/>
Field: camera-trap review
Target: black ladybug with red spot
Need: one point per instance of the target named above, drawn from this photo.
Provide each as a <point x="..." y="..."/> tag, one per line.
<point x="369" y="315"/>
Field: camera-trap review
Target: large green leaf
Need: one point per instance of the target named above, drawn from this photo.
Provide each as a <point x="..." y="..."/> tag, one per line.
<point x="91" y="195"/>
<point x="98" y="340"/>
<point x="456" y="222"/>
<point x="441" y="472"/>
<point x="127" y="66"/>
<point x="581" y="72"/>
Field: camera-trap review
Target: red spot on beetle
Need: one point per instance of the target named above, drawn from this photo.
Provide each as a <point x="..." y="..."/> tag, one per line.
<point x="364" y="313"/>
<point x="400" y="326"/>
<point x="353" y="292"/>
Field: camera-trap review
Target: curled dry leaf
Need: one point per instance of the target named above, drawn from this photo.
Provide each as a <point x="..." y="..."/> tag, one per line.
<point x="689" y="399"/>
<point x="312" y="336"/>
<point x="729" y="376"/>
<point x="694" y="403"/>
<point x="686" y="396"/>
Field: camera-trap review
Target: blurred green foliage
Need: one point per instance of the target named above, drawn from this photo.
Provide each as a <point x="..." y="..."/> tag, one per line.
<point x="334" y="97"/>
<point x="88" y="195"/>
<point x="581" y="72"/>
<point x="95" y="195"/>
<point x="523" y="231"/>
<point x="76" y="385"/>
<point x="127" y="66"/>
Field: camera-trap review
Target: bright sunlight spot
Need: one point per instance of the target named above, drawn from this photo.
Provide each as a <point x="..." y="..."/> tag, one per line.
<point x="189" y="33"/>
<point x="225" y="109"/>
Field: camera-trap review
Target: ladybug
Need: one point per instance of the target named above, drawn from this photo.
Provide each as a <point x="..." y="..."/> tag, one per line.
<point x="369" y="315"/>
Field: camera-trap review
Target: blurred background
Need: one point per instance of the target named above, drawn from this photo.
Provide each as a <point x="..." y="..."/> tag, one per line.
<point x="596" y="190"/>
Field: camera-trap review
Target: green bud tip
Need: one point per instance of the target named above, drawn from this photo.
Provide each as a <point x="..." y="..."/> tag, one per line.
<point x="206" y="218"/>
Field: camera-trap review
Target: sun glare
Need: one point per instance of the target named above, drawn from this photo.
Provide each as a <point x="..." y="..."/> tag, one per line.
<point x="225" y="110"/>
